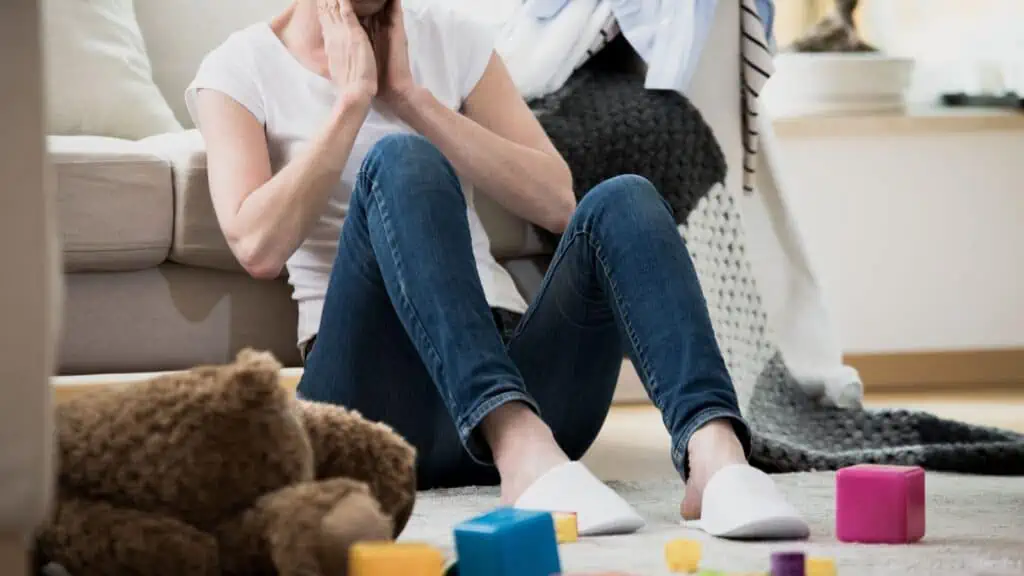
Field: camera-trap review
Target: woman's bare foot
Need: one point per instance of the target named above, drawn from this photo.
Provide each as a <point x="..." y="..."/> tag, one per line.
<point x="523" y="446"/>
<point x="711" y="448"/>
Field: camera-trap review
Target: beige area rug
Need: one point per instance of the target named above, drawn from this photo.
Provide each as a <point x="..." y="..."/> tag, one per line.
<point x="975" y="526"/>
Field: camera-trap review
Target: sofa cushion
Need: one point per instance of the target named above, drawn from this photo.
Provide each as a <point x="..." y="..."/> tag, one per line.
<point x="511" y="236"/>
<point x="115" y="204"/>
<point x="179" y="33"/>
<point x="198" y="240"/>
<point x="98" y="76"/>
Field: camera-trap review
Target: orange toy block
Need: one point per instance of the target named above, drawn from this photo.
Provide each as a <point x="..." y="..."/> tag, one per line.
<point x="565" y="527"/>
<point x="394" y="559"/>
<point x="682" y="556"/>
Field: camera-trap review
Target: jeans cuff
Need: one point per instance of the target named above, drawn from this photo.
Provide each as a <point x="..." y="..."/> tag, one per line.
<point x="679" y="455"/>
<point x="471" y="438"/>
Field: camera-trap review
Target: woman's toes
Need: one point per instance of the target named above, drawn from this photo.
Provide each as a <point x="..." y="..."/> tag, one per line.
<point x="689" y="508"/>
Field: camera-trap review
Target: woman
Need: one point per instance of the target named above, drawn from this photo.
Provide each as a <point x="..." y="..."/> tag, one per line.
<point x="390" y="120"/>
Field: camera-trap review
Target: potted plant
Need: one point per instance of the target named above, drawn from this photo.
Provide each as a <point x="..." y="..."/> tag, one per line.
<point x="836" y="32"/>
<point x="831" y="69"/>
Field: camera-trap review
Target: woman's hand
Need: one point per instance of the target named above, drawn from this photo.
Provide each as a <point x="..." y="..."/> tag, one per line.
<point x="350" y="55"/>
<point x="392" y="49"/>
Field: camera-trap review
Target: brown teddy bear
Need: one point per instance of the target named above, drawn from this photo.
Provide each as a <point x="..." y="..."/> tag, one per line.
<point x="220" y="470"/>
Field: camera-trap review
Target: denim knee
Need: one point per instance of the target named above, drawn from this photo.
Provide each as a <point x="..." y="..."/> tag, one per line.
<point x="407" y="154"/>
<point x="401" y="165"/>
<point x="625" y="199"/>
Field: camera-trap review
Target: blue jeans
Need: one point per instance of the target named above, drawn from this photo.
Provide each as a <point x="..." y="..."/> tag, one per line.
<point x="407" y="337"/>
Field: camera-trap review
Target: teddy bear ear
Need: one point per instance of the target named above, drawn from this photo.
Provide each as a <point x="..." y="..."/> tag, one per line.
<point x="254" y="377"/>
<point x="257" y="360"/>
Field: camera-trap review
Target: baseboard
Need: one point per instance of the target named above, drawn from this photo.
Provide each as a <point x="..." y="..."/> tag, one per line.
<point x="974" y="371"/>
<point x="941" y="371"/>
<point x="630" y="389"/>
<point x="67" y="387"/>
<point x="979" y="372"/>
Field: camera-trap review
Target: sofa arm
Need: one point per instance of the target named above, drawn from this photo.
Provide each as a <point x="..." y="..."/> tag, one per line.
<point x="30" y="295"/>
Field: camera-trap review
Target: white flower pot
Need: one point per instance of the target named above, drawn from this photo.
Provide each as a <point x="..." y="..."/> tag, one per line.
<point x="837" y="83"/>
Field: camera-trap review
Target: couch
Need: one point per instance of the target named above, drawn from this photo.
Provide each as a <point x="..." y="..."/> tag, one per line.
<point x="151" y="284"/>
<point x="30" y="289"/>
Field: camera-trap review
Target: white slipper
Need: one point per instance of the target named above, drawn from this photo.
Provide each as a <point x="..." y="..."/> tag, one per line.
<point x="743" y="502"/>
<point x="572" y="488"/>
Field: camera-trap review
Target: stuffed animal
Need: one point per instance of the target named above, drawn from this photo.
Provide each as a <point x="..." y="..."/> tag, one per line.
<point x="221" y="471"/>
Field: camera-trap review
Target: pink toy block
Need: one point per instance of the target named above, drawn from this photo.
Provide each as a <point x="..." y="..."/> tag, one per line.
<point x="880" y="504"/>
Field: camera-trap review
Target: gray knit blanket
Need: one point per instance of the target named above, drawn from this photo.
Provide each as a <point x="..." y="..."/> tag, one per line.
<point x="606" y="123"/>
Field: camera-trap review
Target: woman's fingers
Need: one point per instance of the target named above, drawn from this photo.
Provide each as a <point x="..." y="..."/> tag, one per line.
<point x="347" y="13"/>
<point x="329" y="10"/>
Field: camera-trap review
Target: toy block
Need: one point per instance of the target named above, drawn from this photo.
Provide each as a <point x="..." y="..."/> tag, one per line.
<point x="565" y="527"/>
<point x="878" y="504"/>
<point x="394" y="559"/>
<point x="788" y="564"/>
<point x="682" y="556"/>
<point x="820" y="567"/>
<point x="508" y="542"/>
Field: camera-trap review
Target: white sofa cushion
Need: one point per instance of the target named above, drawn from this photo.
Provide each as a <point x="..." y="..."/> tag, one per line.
<point x="115" y="203"/>
<point x="179" y="33"/>
<point x="198" y="240"/>
<point x="98" y="76"/>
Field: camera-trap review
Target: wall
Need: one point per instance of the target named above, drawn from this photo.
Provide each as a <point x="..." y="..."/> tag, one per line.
<point x="917" y="230"/>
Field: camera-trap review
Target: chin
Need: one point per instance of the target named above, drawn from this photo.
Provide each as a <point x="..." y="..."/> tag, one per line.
<point x="364" y="8"/>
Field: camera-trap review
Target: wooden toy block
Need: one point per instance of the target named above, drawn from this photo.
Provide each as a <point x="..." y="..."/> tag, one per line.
<point x="682" y="556"/>
<point x="821" y="567"/>
<point x="508" y="542"/>
<point x="565" y="527"/>
<point x="789" y="564"/>
<point x="880" y="504"/>
<point x="394" y="559"/>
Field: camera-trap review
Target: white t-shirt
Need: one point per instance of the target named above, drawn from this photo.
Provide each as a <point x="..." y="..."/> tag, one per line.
<point x="448" y="56"/>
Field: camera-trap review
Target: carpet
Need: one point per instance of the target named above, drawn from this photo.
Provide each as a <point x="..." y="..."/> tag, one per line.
<point x="975" y="525"/>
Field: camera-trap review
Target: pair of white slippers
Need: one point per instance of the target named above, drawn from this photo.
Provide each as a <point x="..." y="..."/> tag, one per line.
<point x="739" y="502"/>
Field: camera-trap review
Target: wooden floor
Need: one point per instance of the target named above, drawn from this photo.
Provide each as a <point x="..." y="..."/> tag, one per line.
<point x="633" y="444"/>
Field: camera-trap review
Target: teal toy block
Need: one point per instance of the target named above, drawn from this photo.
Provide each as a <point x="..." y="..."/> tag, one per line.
<point x="508" y="542"/>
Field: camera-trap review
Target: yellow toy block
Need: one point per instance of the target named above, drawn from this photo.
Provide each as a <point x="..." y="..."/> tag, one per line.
<point x="394" y="559"/>
<point x="820" y="567"/>
<point x="682" y="556"/>
<point x="565" y="527"/>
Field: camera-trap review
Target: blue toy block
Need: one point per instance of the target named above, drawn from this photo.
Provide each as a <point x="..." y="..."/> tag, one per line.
<point x="508" y="542"/>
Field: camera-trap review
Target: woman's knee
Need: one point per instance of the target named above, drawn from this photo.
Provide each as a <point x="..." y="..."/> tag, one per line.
<point x="406" y="155"/>
<point x="404" y="166"/>
<point x="628" y="197"/>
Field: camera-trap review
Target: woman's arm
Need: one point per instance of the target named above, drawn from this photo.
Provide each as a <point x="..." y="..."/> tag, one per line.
<point x="265" y="218"/>
<point x="499" y="145"/>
